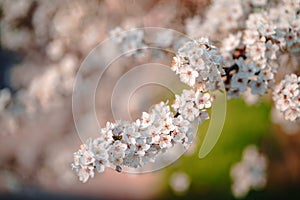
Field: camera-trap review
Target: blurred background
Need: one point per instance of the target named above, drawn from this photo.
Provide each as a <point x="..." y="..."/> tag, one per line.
<point x="42" y="46"/>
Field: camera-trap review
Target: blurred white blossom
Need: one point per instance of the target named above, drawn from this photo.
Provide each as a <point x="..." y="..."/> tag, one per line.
<point x="180" y="182"/>
<point x="249" y="173"/>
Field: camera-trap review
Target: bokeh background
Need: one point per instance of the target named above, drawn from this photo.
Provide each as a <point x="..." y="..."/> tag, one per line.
<point x="42" y="46"/>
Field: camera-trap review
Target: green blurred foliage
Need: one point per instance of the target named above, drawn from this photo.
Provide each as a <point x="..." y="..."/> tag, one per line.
<point x="210" y="176"/>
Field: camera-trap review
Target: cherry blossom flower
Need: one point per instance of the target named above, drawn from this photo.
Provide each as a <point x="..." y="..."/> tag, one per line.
<point x="257" y="50"/>
<point x="188" y="75"/>
<point x="141" y="146"/>
<point x="248" y="69"/>
<point x="189" y="111"/>
<point x="239" y="81"/>
<point x="84" y="163"/>
<point x="176" y="62"/>
<point x="250" y="36"/>
<point x="258" y="86"/>
<point x="203" y="100"/>
<point x="286" y="97"/>
<point x="271" y="50"/>
<point x="231" y="42"/>
<point x="165" y="141"/>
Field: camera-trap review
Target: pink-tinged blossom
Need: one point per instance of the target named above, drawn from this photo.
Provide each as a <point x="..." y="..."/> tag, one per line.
<point x="287" y="97"/>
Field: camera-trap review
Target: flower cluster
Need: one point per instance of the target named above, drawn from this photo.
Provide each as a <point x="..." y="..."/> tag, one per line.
<point x="252" y="57"/>
<point x="252" y="54"/>
<point x="199" y="64"/>
<point x="222" y="17"/>
<point x="57" y="82"/>
<point x="286" y="22"/>
<point x="191" y="105"/>
<point x="289" y="127"/>
<point x="250" y="173"/>
<point x="232" y="12"/>
<point x="287" y="97"/>
<point x="138" y="143"/>
<point x="247" y="62"/>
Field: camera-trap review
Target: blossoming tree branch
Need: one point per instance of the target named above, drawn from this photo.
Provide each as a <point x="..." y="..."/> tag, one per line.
<point x="247" y="49"/>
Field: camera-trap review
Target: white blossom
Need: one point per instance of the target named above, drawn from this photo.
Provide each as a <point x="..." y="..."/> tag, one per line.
<point x="257" y="50"/>
<point x="239" y="81"/>
<point x="117" y="34"/>
<point x="231" y="42"/>
<point x="247" y="69"/>
<point x="271" y="50"/>
<point x="255" y="20"/>
<point x="258" y="86"/>
<point x="286" y="97"/>
<point x="249" y="173"/>
<point x="188" y="75"/>
<point x="165" y="141"/>
<point x="84" y="163"/>
<point x="201" y="63"/>
<point x="203" y="100"/>
<point x="141" y="146"/>
<point x="189" y="111"/>
<point x="180" y="182"/>
<point x="250" y="36"/>
<point x="176" y="63"/>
